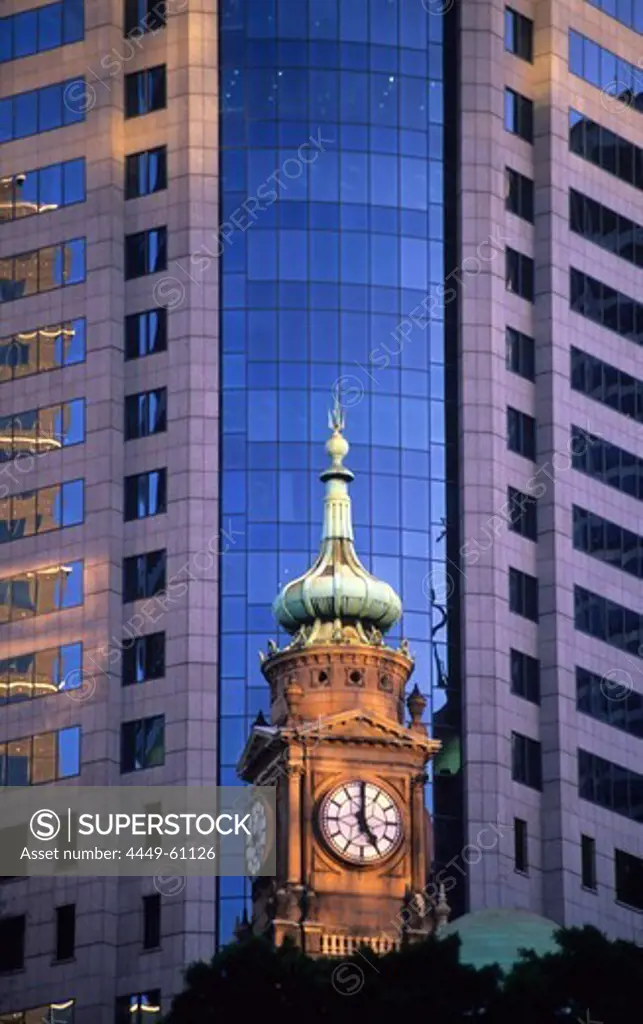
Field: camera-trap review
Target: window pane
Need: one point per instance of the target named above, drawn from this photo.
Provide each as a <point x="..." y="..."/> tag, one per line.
<point x="155" y="742"/>
<point x="74" y="341"/>
<point x="44" y="758"/>
<point x="49" y="511"/>
<point x="51" y="188"/>
<point x="70" y="666"/>
<point x="70" y="423"/>
<point x="50" y="26"/>
<point x="74" y="181"/>
<point x="74" y="265"/>
<point x="50" y="107"/>
<point x="19" y="762"/>
<point x="69" y="752"/>
<point x="49" y="267"/>
<point x="72" y="502"/>
<point x="23" y="596"/>
<point x="73" y="20"/>
<point x="70" y="588"/>
<point x="25" y="33"/>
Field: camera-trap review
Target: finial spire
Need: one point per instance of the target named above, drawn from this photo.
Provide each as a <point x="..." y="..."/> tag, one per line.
<point x="336" y="417"/>
<point x="337" y="588"/>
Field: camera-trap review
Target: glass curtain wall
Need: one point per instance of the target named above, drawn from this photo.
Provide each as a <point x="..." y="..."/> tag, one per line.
<point x="332" y="235"/>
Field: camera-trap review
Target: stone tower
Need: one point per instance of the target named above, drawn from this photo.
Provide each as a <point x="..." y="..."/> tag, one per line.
<point x="352" y="832"/>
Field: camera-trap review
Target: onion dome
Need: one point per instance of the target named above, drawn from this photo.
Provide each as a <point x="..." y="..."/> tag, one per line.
<point x="337" y="589"/>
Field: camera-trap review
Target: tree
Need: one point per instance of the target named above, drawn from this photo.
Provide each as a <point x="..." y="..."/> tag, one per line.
<point x="251" y="977"/>
<point x="590" y="979"/>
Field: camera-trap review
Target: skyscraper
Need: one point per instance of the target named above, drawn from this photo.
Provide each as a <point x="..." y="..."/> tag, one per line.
<point x="549" y="571"/>
<point x="216" y="217"/>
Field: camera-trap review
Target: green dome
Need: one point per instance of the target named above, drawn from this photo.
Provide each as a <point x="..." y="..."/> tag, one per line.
<point x="496" y="936"/>
<point x="337" y="588"/>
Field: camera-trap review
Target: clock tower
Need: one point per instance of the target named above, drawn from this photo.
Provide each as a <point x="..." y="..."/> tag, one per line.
<point x="347" y="752"/>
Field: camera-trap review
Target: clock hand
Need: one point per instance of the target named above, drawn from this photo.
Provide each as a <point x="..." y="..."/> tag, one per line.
<point x="361" y="819"/>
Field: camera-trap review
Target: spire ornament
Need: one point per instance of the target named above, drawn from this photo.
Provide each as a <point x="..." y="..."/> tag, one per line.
<point x="336" y="417"/>
<point x="337" y="597"/>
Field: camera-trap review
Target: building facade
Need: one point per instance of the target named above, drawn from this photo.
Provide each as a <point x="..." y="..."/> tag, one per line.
<point x="549" y="574"/>
<point x="109" y="486"/>
<point x="214" y="218"/>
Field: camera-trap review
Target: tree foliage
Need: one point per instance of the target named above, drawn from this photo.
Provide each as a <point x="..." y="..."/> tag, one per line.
<point x="590" y="979"/>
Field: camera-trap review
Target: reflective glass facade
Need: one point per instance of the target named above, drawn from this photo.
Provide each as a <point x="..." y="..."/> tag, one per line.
<point x="332" y="137"/>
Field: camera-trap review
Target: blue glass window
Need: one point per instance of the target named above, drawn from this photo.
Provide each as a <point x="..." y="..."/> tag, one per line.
<point x="604" y="69"/>
<point x="41" y="29"/>
<point x="42" y="349"/>
<point x="44" y="190"/>
<point x="316" y="284"/>
<point x="45" y="269"/>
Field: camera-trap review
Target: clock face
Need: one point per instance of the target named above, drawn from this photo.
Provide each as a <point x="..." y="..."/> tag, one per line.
<point x="257" y="841"/>
<point x="361" y="822"/>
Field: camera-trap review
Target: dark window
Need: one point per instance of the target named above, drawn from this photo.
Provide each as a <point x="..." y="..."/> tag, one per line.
<point x="607" y="541"/>
<point x="143" y="744"/>
<point x="588" y="862"/>
<point x="605" y="620"/>
<point x="50" y="1013"/>
<point x="628" y="875"/>
<point x="525" y="676"/>
<point x="143" y="659"/>
<point x="151" y="921"/>
<point x="519" y="195"/>
<point x="143" y="16"/>
<point x="523" y="514"/>
<point x="607" y="384"/>
<point x="145" y="91"/>
<point x="12" y="943"/>
<point x="519" y="115"/>
<point x="605" y="149"/>
<point x="141" y="1007"/>
<point x="43" y="270"/>
<point x="605" y="306"/>
<point x="45" y="28"/>
<point x="610" y="786"/>
<point x="143" y="576"/>
<point x="519" y="32"/>
<point x="145" y="414"/>
<point x="145" y="333"/>
<point x="519" y="274"/>
<point x="526" y="761"/>
<point x="611" y="74"/>
<point x="53" y="106"/>
<point x="65" y="931"/>
<point x="603" y="461"/>
<point x="523" y="594"/>
<point x="521" y="350"/>
<point x="521" y="433"/>
<point x="145" y="253"/>
<point x="610" y="699"/>
<point x="603" y="226"/>
<point x="145" y="494"/>
<point x="145" y="172"/>
<point x="521" y="860"/>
